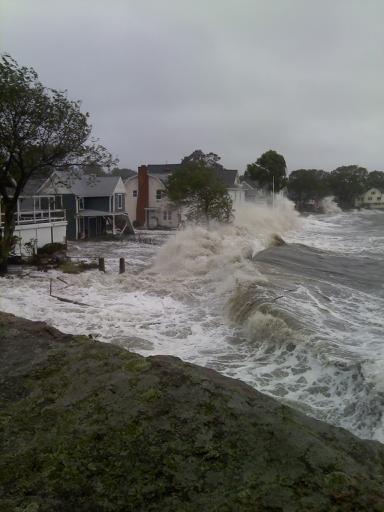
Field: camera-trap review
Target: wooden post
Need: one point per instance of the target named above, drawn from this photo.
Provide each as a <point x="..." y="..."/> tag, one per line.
<point x="121" y="266"/>
<point x="101" y="265"/>
<point x="50" y="287"/>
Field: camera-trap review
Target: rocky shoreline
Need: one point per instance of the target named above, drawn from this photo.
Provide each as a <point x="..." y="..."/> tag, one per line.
<point x="87" y="426"/>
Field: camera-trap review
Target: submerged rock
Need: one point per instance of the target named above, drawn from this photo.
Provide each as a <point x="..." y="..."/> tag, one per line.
<point x="87" y="426"/>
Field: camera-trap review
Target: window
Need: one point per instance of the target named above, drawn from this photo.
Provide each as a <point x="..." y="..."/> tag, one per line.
<point x="134" y="193"/>
<point x="119" y="201"/>
<point x="159" y="195"/>
<point x="169" y="215"/>
<point x="44" y="203"/>
<point x="165" y="215"/>
<point x="36" y="203"/>
<point x="58" y="202"/>
<point x="81" y="203"/>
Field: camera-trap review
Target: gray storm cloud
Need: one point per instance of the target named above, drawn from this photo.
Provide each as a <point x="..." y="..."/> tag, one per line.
<point x="234" y="77"/>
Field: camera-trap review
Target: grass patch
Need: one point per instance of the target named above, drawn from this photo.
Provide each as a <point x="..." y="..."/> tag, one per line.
<point x="70" y="267"/>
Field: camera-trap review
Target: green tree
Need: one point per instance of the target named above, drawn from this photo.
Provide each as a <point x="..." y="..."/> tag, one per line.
<point x="375" y="179"/>
<point x="347" y="183"/>
<point x="124" y="172"/>
<point x="269" y="171"/>
<point x="308" y="184"/>
<point x="206" y="159"/>
<point x="197" y="187"/>
<point x="94" y="169"/>
<point x="40" y="130"/>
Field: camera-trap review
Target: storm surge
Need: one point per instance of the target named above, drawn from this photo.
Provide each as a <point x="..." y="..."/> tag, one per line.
<point x="286" y="303"/>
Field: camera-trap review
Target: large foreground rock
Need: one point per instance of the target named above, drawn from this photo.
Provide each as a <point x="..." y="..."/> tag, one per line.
<point x="87" y="426"/>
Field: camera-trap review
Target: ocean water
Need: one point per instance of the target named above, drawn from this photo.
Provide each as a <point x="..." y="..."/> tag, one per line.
<point x="301" y="320"/>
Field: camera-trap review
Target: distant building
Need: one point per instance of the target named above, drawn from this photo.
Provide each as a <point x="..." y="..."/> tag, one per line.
<point x="372" y="198"/>
<point x="235" y="188"/>
<point x="123" y="173"/>
<point x="148" y="204"/>
<point x="40" y="219"/>
<point x="95" y="205"/>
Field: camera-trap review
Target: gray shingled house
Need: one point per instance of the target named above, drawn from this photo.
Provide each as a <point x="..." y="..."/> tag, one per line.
<point x="95" y="205"/>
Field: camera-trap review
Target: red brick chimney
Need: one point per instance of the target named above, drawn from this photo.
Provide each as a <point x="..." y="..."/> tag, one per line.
<point x="142" y="195"/>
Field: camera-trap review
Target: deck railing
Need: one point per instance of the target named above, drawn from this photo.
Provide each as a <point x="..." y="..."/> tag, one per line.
<point x="23" y="217"/>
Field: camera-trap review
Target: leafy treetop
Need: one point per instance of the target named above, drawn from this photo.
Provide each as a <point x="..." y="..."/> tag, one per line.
<point x="269" y="171"/>
<point x="206" y="159"/>
<point x="197" y="186"/>
<point x="40" y="130"/>
<point x="306" y="184"/>
<point x="348" y="182"/>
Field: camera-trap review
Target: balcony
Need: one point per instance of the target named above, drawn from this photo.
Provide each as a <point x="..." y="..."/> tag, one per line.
<point x="38" y="210"/>
<point x="39" y="216"/>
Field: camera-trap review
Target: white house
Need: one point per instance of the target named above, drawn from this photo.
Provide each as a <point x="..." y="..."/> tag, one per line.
<point x="372" y="198"/>
<point x="40" y="219"/>
<point x="235" y="188"/>
<point x="146" y="199"/>
<point x="147" y="202"/>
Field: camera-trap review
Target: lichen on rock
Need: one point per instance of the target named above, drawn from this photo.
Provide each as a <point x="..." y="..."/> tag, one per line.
<point x="87" y="426"/>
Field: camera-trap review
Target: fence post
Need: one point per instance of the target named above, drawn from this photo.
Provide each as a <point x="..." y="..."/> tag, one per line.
<point x="121" y="266"/>
<point x="101" y="265"/>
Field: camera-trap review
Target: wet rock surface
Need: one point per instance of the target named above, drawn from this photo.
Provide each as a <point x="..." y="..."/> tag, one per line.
<point x="87" y="426"/>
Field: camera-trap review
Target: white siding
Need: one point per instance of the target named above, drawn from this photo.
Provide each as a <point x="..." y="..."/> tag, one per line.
<point x="159" y="205"/>
<point x="131" y="184"/>
<point x="373" y="198"/>
<point x="40" y="235"/>
<point x="237" y="195"/>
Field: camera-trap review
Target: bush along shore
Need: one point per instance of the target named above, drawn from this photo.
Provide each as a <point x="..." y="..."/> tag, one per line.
<point x="87" y="426"/>
<point x="53" y="256"/>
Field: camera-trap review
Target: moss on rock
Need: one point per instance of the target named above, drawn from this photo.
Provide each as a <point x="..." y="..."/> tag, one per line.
<point x="88" y="426"/>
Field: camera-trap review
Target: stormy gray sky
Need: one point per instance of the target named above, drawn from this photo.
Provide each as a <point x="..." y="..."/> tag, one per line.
<point x="237" y="77"/>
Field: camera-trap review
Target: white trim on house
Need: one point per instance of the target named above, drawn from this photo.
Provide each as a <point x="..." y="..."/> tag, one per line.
<point x="156" y="206"/>
<point x="372" y="198"/>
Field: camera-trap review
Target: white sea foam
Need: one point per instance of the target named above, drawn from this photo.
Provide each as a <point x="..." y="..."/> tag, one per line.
<point x="201" y="296"/>
<point x="328" y="205"/>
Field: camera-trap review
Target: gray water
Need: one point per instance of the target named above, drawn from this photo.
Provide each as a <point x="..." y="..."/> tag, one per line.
<point x="302" y="322"/>
<point x="333" y="270"/>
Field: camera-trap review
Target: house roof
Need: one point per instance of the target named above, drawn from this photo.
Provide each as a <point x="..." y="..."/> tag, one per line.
<point x="124" y="173"/>
<point x="32" y="186"/>
<point x="85" y="185"/>
<point x="228" y="176"/>
<point x="380" y="189"/>
<point x="247" y="185"/>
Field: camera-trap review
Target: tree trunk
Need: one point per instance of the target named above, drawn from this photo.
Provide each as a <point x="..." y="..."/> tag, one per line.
<point x="6" y="237"/>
